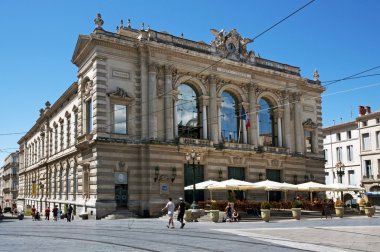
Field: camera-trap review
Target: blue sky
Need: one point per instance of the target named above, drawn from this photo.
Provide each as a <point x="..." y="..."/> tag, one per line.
<point x="339" y="38"/>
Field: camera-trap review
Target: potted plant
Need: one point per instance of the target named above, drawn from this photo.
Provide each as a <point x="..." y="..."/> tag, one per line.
<point x="339" y="208"/>
<point x="361" y="205"/>
<point x="214" y="212"/>
<point x="368" y="209"/>
<point x="265" y="211"/>
<point x="296" y="209"/>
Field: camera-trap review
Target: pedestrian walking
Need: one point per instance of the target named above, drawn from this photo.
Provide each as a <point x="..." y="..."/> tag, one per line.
<point x="47" y="213"/>
<point x="55" y="213"/>
<point x="33" y="212"/>
<point x="181" y="211"/>
<point x="326" y="211"/>
<point x="170" y="207"/>
<point x="69" y="213"/>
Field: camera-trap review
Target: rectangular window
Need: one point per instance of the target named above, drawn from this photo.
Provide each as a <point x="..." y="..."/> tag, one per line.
<point x="349" y="134"/>
<point x="378" y="139"/>
<point x="338" y="137"/>
<point x="364" y="123"/>
<point x="368" y="168"/>
<point x="55" y="139"/>
<point x="339" y="154"/>
<point x="61" y="136"/>
<point x="68" y="132"/>
<point x="351" y="177"/>
<point x="350" y="153"/>
<point x="120" y="117"/>
<point x="75" y="127"/>
<point x="326" y="153"/>
<point x="308" y="141"/>
<point x="89" y="116"/>
<point x="366" y="141"/>
<point x="377" y="120"/>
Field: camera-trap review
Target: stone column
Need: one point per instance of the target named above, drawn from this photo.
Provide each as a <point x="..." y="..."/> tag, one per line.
<point x="299" y="134"/>
<point x="288" y="123"/>
<point x="243" y="122"/>
<point x="204" y="102"/>
<point x="252" y="115"/>
<point x="168" y="103"/>
<point x="219" y="119"/>
<point x="256" y="122"/>
<point x="279" y="114"/>
<point x="175" y="122"/>
<point x="144" y="92"/>
<point x="213" y="116"/>
<point x="152" y="91"/>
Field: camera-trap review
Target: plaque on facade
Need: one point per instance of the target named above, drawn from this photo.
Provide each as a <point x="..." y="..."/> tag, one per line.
<point x="164" y="188"/>
<point x="121" y="178"/>
<point x="120" y="74"/>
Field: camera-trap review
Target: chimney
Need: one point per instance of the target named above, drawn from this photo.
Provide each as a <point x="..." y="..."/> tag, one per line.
<point x="362" y="110"/>
<point x="368" y="110"/>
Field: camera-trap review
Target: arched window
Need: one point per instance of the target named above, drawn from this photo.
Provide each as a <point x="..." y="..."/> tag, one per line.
<point x="188" y="113"/>
<point x="267" y="124"/>
<point x="230" y="118"/>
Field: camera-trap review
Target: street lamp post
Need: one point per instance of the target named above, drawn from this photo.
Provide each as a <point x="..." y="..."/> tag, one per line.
<point x="340" y="172"/>
<point x="194" y="156"/>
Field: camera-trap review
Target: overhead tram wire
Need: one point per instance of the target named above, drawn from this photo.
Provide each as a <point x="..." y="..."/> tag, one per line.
<point x="219" y="60"/>
<point x="316" y="97"/>
<point x="282" y="20"/>
<point x="350" y="77"/>
<point x="259" y="35"/>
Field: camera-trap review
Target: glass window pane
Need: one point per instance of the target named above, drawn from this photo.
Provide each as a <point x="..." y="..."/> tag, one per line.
<point x="228" y="118"/>
<point x="265" y="123"/>
<point x="120" y="119"/>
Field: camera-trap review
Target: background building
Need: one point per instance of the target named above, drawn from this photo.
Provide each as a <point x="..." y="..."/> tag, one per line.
<point x="342" y="148"/>
<point x="118" y="137"/>
<point x="10" y="180"/>
<point x="369" y="133"/>
<point x="355" y="147"/>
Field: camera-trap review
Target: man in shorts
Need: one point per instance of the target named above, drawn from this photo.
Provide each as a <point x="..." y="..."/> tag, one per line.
<point x="170" y="207"/>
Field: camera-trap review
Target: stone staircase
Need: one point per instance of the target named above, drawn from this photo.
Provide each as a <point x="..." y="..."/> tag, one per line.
<point x="121" y="214"/>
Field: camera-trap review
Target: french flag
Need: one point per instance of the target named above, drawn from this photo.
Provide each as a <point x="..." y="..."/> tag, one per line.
<point x="245" y="118"/>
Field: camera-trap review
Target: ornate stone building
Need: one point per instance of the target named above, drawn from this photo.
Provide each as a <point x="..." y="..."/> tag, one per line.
<point x="143" y="99"/>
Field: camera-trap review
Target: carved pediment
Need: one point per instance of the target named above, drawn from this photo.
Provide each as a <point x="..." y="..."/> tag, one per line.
<point x="232" y="46"/>
<point x="309" y="124"/>
<point x="119" y="93"/>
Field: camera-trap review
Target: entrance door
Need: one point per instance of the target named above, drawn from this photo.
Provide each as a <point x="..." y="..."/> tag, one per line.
<point x="121" y="195"/>
<point x="274" y="175"/>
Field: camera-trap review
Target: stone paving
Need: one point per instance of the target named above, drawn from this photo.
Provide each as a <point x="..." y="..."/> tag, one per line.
<point x="356" y="233"/>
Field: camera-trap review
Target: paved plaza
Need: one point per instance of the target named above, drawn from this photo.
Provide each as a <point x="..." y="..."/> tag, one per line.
<point x="355" y="233"/>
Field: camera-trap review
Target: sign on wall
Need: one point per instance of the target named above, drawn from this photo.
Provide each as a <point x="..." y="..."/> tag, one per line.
<point x="164" y="188"/>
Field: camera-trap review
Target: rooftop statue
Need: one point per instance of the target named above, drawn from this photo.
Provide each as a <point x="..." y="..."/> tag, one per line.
<point x="232" y="45"/>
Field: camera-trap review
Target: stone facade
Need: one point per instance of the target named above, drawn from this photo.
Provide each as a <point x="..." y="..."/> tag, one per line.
<point x="143" y="99"/>
<point x="9" y="181"/>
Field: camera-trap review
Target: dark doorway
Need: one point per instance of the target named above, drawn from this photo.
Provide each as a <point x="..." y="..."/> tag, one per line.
<point x="274" y="175"/>
<point x="121" y="195"/>
<point x="199" y="177"/>
<point x="236" y="173"/>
